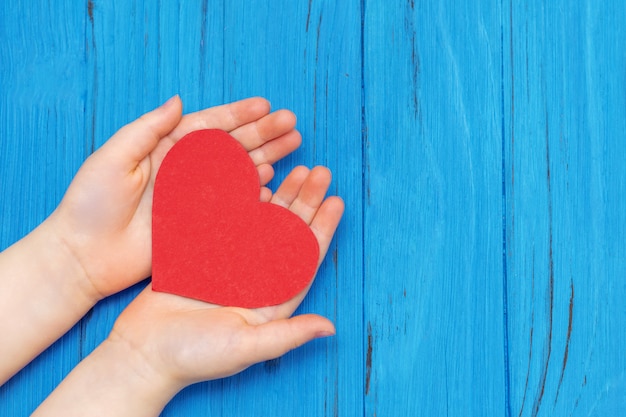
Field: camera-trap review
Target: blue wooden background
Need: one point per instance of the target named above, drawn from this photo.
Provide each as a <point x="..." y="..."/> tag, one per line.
<point x="479" y="146"/>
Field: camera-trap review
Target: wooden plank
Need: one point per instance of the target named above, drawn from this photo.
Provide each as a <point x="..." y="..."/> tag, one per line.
<point x="43" y="94"/>
<point x="307" y="58"/>
<point x="564" y="93"/>
<point x="155" y="53"/>
<point x="433" y="219"/>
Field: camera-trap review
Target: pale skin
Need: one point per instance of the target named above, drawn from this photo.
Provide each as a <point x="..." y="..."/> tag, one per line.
<point x="97" y="242"/>
<point x="138" y="368"/>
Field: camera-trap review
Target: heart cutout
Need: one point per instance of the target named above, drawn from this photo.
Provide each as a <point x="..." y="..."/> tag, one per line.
<point x="213" y="240"/>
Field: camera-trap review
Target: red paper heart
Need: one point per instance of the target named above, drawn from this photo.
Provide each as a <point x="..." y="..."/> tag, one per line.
<point x="213" y="240"/>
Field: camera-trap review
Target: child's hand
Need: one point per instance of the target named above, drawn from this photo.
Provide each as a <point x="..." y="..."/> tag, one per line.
<point x="105" y="217"/>
<point x="189" y="340"/>
<point x="162" y="342"/>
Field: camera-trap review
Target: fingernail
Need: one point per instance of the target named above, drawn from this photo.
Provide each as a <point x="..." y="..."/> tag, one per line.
<point x="324" y="333"/>
<point x="169" y="102"/>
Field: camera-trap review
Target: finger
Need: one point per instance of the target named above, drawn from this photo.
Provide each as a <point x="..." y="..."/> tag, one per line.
<point x="312" y="193"/>
<point x="266" y="195"/>
<point x="225" y="117"/>
<point x="276" y="149"/>
<point x="274" y="339"/>
<point x="290" y="187"/>
<point x="266" y="173"/>
<point x="325" y="223"/>
<point x="272" y="126"/>
<point x="137" y="139"/>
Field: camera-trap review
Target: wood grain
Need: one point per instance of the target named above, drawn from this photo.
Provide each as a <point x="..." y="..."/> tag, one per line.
<point x="43" y="85"/>
<point x="433" y="289"/>
<point x="479" y="268"/>
<point x="563" y="93"/>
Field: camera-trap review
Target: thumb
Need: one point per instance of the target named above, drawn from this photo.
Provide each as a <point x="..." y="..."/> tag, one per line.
<point x="278" y="337"/>
<point x="137" y="139"/>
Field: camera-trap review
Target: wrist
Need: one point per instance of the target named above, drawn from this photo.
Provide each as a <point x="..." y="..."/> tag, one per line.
<point x="43" y="286"/>
<point x="115" y="379"/>
<point x="142" y="367"/>
<point x="76" y="272"/>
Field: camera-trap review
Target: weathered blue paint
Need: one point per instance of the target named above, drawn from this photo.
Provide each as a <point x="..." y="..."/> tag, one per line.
<point x="479" y="269"/>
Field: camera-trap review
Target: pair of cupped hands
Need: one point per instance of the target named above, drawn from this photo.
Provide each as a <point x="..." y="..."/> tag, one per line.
<point x="102" y="234"/>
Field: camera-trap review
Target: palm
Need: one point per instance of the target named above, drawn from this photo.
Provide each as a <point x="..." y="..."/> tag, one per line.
<point x="191" y="341"/>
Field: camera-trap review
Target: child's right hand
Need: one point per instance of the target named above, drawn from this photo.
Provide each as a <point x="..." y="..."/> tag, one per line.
<point x="105" y="218"/>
